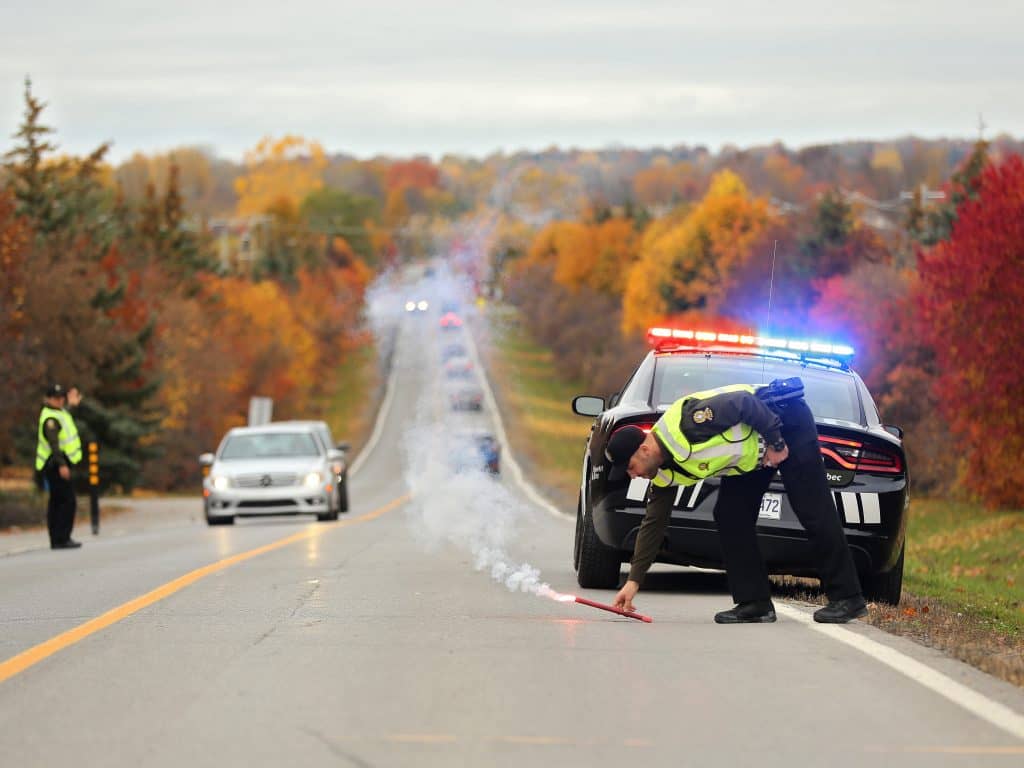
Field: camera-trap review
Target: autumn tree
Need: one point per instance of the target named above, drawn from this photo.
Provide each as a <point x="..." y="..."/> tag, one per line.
<point x="972" y="289"/>
<point x="687" y="257"/>
<point x="279" y="174"/>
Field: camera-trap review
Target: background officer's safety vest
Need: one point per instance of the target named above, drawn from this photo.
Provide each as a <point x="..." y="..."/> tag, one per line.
<point x="70" y="443"/>
<point x="732" y="452"/>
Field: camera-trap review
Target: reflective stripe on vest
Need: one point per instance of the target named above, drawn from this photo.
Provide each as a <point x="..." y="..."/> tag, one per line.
<point x="734" y="451"/>
<point x="70" y="442"/>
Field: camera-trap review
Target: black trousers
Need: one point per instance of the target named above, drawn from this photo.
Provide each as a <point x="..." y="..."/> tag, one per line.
<point x="60" y="510"/>
<point x="803" y="475"/>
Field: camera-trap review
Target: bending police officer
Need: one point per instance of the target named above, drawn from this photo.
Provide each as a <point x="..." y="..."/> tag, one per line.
<point x="58" y="447"/>
<point x="730" y="432"/>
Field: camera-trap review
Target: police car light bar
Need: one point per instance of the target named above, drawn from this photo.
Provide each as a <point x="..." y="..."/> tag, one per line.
<point x="664" y="337"/>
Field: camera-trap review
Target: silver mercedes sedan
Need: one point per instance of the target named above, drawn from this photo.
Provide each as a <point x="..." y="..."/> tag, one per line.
<point x="274" y="469"/>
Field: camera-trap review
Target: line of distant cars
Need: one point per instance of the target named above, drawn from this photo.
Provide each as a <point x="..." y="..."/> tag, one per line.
<point x="281" y="468"/>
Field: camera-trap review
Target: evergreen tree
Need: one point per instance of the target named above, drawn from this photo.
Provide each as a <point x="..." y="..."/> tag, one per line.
<point x="91" y="338"/>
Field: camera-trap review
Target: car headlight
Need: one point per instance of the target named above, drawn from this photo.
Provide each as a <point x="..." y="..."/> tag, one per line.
<point x="220" y="482"/>
<point x="313" y="480"/>
<point x="410" y="306"/>
<point x="422" y="306"/>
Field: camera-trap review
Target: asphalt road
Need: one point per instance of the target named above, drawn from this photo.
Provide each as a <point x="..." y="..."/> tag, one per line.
<point x="376" y="642"/>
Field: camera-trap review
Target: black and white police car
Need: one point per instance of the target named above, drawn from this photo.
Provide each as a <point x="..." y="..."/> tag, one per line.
<point x="864" y="460"/>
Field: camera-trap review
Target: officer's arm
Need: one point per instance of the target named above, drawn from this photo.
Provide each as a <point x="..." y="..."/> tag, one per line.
<point x="51" y="431"/>
<point x="707" y="417"/>
<point x="652" y="531"/>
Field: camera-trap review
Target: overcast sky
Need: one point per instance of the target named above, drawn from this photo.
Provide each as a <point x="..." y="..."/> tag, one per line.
<point x="404" y="77"/>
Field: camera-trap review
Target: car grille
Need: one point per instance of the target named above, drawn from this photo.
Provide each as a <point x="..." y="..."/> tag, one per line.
<point x="266" y="480"/>
<point x="266" y="504"/>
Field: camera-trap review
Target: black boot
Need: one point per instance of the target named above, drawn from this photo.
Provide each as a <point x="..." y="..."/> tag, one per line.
<point x="756" y="612"/>
<point x="842" y="611"/>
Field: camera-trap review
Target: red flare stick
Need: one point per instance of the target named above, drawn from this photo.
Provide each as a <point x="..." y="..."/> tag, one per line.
<point x="613" y="609"/>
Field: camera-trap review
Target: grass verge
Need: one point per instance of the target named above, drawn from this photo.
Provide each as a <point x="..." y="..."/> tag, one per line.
<point x="963" y="589"/>
<point x="358" y="391"/>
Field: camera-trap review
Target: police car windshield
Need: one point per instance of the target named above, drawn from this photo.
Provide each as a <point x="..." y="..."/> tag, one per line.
<point x="258" y="445"/>
<point x="830" y="394"/>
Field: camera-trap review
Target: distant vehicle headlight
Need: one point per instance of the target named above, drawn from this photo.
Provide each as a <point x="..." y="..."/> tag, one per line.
<point x="313" y="480"/>
<point x="422" y="306"/>
<point x="410" y="306"/>
<point x="220" y="482"/>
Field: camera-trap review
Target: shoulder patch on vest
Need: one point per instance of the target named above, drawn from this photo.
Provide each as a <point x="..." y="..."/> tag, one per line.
<point x="704" y="414"/>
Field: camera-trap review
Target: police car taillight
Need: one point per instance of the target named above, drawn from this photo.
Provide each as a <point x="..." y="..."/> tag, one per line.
<point x="852" y="454"/>
<point x="663" y="338"/>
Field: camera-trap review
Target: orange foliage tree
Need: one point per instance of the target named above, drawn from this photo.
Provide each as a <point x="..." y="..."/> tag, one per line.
<point x="279" y="174"/>
<point x="971" y="294"/>
<point x="689" y="257"/>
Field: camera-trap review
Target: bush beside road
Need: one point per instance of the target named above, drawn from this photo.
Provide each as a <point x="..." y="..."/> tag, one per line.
<point x="963" y="589"/>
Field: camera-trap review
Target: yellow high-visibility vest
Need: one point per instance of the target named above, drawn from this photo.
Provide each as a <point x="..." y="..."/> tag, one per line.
<point x="70" y="443"/>
<point x="733" y="451"/>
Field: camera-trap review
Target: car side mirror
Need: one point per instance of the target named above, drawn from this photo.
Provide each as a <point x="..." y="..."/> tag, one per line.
<point x="344" y="445"/>
<point x="206" y="459"/>
<point x="893" y="430"/>
<point x="335" y="455"/>
<point x="587" y="405"/>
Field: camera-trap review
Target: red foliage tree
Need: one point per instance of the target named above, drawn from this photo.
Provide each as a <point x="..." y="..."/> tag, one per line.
<point x="970" y="299"/>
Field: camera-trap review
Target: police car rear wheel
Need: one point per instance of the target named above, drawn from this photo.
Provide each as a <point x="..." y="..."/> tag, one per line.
<point x="579" y="533"/>
<point x="885" y="587"/>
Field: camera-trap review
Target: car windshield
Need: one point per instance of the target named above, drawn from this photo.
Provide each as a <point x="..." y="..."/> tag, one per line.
<point x="259" y="445"/>
<point x="830" y="394"/>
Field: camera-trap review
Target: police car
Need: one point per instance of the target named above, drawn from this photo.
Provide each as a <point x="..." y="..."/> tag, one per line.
<point x="864" y="461"/>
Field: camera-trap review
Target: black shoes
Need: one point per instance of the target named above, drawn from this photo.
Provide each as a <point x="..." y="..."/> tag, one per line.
<point x="842" y="611"/>
<point x="757" y="612"/>
<point x="69" y="544"/>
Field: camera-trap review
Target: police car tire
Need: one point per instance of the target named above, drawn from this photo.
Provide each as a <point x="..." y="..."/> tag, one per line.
<point x="327" y="516"/>
<point x="579" y="533"/>
<point x="599" y="565"/>
<point x="885" y="587"/>
<point x="229" y="520"/>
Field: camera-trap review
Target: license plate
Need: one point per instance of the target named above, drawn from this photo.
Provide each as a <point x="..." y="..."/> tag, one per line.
<point x="771" y="506"/>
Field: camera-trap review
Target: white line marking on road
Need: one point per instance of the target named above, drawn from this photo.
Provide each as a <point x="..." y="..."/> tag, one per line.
<point x="382" y="414"/>
<point x="977" y="704"/>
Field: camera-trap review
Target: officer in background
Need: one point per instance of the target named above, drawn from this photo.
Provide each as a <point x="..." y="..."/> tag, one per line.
<point x="730" y="432"/>
<point x="58" y="447"/>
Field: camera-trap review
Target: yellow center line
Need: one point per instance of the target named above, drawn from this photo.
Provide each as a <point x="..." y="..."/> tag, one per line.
<point x="37" y="653"/>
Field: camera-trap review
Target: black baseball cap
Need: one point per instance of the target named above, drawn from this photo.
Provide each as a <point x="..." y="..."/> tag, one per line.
<point x="620" y="449"/>
<point x="55" y="390"/>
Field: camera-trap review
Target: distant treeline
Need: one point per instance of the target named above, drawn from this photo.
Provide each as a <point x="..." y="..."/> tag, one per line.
<point x="173" y="286"/>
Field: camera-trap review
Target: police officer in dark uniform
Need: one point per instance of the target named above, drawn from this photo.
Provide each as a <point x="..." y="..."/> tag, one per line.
<point x="742" y="434"/>
<point x="58" y="447"/>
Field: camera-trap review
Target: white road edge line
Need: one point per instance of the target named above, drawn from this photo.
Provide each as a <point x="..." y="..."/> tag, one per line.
<point x="508" y="457"/>
<point x="382" y="413"/>
<point x="977" y="704"/>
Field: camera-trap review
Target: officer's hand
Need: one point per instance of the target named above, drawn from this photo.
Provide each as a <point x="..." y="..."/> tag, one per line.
<point x="624" y="600"/>
<point x="65" y="472"/>
<point x="773" y="458"/>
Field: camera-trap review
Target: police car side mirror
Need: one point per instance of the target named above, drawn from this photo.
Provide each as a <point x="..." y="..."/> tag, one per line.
<point x="335" y="455"/>
<point x="893" y="430"/>
<point x="206" y="459"/>
<point x="586" y="405"/>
